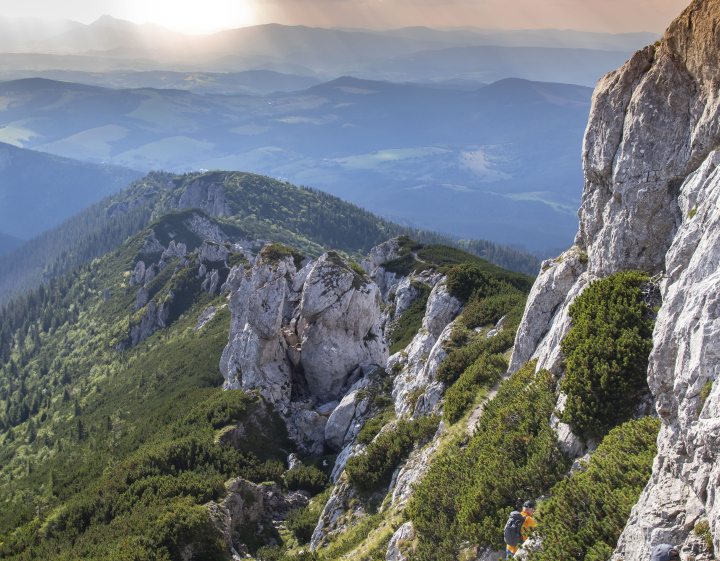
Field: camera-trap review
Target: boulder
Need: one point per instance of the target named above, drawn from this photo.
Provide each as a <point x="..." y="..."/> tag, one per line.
<point x="339" y="422"/>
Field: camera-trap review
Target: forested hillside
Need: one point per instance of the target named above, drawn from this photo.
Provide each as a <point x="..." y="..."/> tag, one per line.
<point x="260" y="206"/>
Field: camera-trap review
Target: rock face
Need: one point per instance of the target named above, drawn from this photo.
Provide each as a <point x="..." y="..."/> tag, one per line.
<point x="425" y="353"/>
<point x="206" y="195"/>
<point x="298" y="336"/>
<point x="403" y="535"/>
<point x="652" y="123"/>
<point x="338" y="326"/>
<point x="684" y="360"/>
<point x="378" y="255"/>
<point x="154" y="318"/>
<point x="650" y="202"/>
<point x="255" y="356"/>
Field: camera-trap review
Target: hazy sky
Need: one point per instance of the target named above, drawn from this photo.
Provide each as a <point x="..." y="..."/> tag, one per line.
<point x="209" y="15"/>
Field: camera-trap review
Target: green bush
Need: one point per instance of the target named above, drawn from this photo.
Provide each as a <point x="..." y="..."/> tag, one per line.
<point x="587" y="512"/>
<point x="483" y="311"/>
<point x="466" y="279"/>
<point x="461" y="359"/>
<point x="302" y="521"/>
<point x="274" y="252"/>
<point x="372" y="426"/>
<point x="404" y="265"/>
<point x="607" y="352"/>
<point x="357" y="268"/>
<point x="470" y="490"/>
<point x="486" y="370"/>
<point x="411" y="320"/>
<point x="704" y="394"/>
<point x="307" y="478"/>
<point x="372" y="470"/>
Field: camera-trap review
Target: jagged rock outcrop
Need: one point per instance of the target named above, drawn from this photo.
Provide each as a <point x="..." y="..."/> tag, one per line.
<point x="378" y="255"/>
<point x="255" y="356"/>
<point x="555" y="281"/>
<point x="403" y="535"/>
<point x="209" y="251"/>
<point x="338" y="326"/>
<point x="298" y="337"/>
<point x="210" y="197"/>
<point x="650" y="203"/>
<point x="151" y="244"/>
<point x="206" y="229"/>
<point x="247" y="504"/>
<point x="685" y="359"/>
<point x="138" y="274"/>
<point x="155" y="318"/>
<point x="425" y="353"/>
<point x="206" y="316"/>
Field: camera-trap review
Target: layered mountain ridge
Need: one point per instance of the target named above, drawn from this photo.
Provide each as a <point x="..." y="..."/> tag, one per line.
<point x="397" y="408"/>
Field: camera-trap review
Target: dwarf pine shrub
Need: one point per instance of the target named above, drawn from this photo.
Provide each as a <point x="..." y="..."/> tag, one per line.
<point x="470" y="490"/>
<point x="607" y="352"/>
<point x="587" y="512"/>
<point x="372" y="470"/>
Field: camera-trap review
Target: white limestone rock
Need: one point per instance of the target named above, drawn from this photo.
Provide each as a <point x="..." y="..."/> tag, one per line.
<point x="143" y="297"/>
<point x="206" y="316"/>
<point x="206" y="228"/>
<point x="548" y="295"/>
<point x="685" y="357"/>
<point x="138" y="275"/>
<point x="209" y="251"/>
<point x="150" y="273"/>
<point x="151" y="244"/>
<point x="402" y="536"/>
<point x="237" y="273"/>
<point x="155" y="318"/>
<point x="210" y="197"/>
<point x="412" y="472"/>
<point x="255" y="354"/>
<point x="425" y="353"/>
<point x="339" y="422"/>
<point x="338" y="326"/>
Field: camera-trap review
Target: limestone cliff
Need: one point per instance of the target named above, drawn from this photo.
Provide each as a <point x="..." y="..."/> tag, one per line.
<point x="650" y="203"/>
<point x="302" y="338"/>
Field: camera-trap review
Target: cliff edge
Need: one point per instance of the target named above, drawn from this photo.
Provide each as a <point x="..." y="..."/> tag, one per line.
<point x="650" y="199"/>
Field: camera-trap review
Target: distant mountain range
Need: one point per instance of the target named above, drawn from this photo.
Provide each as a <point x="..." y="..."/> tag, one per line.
<point x="499" y="163"/>
<point x="409" y="54"/>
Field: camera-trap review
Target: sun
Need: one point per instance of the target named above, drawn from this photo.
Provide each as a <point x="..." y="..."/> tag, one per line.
<point x="191" y="16"/>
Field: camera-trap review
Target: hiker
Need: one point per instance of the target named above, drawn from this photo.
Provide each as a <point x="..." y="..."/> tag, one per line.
<point x="665" y="552"/>
<point x="517" y="527"/>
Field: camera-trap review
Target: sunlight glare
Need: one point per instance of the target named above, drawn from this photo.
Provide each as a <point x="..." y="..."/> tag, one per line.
<point x="191" y="16"/>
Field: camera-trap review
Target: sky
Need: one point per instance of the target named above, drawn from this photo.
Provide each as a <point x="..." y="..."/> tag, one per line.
<point x="613" y="16"/>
